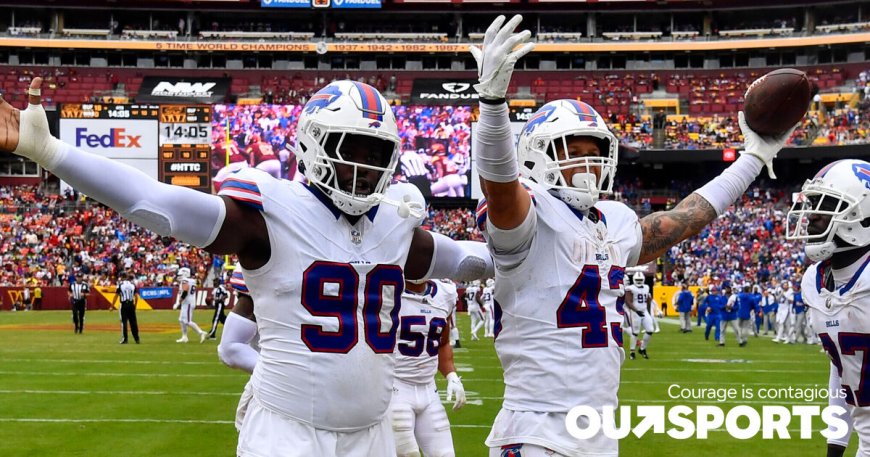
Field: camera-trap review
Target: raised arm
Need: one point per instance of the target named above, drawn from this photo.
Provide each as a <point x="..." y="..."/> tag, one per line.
<point x="508" y="203"/>
<point x="663" y="229"/>
<point x="218" y="224"/>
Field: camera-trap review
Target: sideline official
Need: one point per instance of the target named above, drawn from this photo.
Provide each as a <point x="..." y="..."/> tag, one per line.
<point x="78" y="295"/>
<point x="127" y="293"/>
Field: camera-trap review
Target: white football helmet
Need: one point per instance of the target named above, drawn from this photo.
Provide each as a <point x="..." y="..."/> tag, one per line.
<point x="183" y="273"/>
<point x="340" y="109"/>
<point x="838" y="192"/>
<point x="547" y="132"/>
<point x="490" y="282"/>
<point x="638" y="279"/>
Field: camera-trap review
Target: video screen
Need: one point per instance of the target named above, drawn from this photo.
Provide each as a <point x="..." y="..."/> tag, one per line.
<point x="434" y="153"/>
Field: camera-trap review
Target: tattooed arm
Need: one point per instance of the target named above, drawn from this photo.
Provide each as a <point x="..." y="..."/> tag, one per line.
<point x="663" y="229"/>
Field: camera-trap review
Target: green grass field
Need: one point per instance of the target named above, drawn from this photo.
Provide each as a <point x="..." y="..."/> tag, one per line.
<point x="63" y="394"/>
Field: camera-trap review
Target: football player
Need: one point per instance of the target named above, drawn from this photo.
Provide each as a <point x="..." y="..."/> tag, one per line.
<point x="419" y="418"/>
<point x="324" y="261"/>
<point x="472" y="301"/>
<point x="239" y="346"/>
<point x="728" y="317"/>
<point x="832" y="214"/>
<point x="638" y="298"/>
<point x="561" y="252"/>
<point x="487" y="304"/>
<point x="186" y="300"/>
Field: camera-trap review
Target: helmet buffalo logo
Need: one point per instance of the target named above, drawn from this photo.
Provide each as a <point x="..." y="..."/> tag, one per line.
<point x="538" y="118"/>
<point x="862" y="172"/>
<point x="375" y="125"/>
<point x="322" y="98"/>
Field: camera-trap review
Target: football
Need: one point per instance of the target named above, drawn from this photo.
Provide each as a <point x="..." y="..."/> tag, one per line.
<point x="777" y="101"/>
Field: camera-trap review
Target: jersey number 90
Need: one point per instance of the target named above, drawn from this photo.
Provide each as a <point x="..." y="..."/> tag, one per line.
<point x="343" y="305"/>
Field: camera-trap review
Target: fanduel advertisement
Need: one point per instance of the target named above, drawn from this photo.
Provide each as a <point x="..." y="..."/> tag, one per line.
<point x="443" y="92"/>
<point x="158" y="89"/>
<point x="335" y="4"/>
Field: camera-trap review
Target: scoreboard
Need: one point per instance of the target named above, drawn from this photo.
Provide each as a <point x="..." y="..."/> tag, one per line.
<point x="185" y="146"/>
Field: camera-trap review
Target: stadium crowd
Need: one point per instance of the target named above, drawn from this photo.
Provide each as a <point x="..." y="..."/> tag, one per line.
<point x="48" y="240"/>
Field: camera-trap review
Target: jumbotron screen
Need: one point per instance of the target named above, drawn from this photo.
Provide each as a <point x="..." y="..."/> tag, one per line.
<point x="435" y="144"/>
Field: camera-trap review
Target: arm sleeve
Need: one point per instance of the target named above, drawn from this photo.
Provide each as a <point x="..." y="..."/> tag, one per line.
<point x="234" y="349"/>
<point x="835" y="385"/>
<point x="459" y="260"/>
<point x="191" y="216"/>
<point x="496" y="159"/>
<point x="510" y="247"/>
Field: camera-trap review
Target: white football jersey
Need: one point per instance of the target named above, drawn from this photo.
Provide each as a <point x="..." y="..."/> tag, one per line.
<point x="642" y="297"/>
<point x="327" y="302"/>
<point x="559" y="313"/>
<point x="190" y="299"/>
<point x="471" y="293"/>
<point x="841" y="318"/>
<point x="487" y="296"/>
<point x="423" y="318"/>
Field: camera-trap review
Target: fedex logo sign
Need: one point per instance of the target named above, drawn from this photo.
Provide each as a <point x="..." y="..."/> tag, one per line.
<point x="115" y="138"/>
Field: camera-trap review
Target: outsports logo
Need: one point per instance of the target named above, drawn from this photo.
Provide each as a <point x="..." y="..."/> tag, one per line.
<point x="683" y="422"/>
<point x="115" y="138"/>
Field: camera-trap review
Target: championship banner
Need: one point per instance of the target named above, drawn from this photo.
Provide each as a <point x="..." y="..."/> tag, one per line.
<point x="334" y="4"/>
<point x="166" y="89"/>
<point x="443" y="92"/>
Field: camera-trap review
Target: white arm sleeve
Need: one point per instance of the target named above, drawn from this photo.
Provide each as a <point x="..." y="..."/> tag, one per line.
<point x="459" y="260"/>
<point x="191" y="216"/>
<point x="235" y="349"/>
<point x="726" y="188"/>
<point x="510" y="247"/>
<point x="494" y="146"/>
<point x="835" y="385"/>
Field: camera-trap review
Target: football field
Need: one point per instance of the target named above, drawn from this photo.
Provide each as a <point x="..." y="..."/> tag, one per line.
<point x="63" y="394"/>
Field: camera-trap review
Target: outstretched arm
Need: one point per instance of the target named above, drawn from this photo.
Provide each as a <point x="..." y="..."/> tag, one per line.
<point x="508" y="203"/>
<point x="186" y="214"/>
<point x="433" y="255"/>
<point x="664" y="229"/>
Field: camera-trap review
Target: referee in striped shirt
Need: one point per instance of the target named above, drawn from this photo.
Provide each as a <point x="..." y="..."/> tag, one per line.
<point x="127" y="293"/>
<point x="78" y="295"/>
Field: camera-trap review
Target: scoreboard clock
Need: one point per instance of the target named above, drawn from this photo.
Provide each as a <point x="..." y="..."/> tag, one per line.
<point x="185" y="146"/>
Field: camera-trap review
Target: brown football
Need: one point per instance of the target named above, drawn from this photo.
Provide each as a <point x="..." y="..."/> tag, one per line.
<point x="777" y="101"/>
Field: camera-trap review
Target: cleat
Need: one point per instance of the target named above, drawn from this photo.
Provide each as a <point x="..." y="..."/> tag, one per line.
<point x="202" y="337"/>
<point x="123" y="341"/>
<point x="631" y="356"/>
<point x="643" y="353"/>
<point x="183" y="339"/>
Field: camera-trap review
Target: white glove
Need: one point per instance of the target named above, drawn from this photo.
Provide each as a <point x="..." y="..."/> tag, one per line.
<point x="495" y="62"/>
<point x="34" y="139"/>
<point x="764" y="148"/>
<point x="454" y="386"/>
<point x="177" y="304"/>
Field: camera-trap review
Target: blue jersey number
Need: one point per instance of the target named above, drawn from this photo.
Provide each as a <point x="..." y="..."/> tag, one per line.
<point x="851" y="344"/>
<point x="330" y="289"/>
<point x="581" y="308"/>
<point x="413" y="342"/>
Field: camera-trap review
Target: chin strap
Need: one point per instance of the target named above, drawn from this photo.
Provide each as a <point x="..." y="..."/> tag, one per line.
<point x="405" y="208"/>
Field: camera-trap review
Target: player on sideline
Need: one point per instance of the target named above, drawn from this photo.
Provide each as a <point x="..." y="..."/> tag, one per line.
<point x="637" y="297"/>
<point x="324" y="262"/>
<point x="561" y="253"/>
<point x="487" y="305"/>
<point x="186" y="300"/>
<point x="472" y="301"/>
<point x="728" y="317"/>
<point x="419" y="418"/>
<point x="832" y="214"/>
